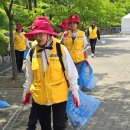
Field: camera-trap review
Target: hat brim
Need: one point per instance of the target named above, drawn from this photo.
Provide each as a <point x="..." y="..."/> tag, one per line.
<point x="63" y="26"/>
<point x="53" y="33"/>
<point x="31" y="34"/>
<point x="74" y="21"/>
<point x="19" y="28"/>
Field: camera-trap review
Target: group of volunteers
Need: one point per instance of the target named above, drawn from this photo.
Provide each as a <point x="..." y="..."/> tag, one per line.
<point x="68" y="29"/>
<point x="52" y="67"/>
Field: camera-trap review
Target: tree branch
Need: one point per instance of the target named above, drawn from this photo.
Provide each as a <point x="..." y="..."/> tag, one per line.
<point x="11" y="5"/>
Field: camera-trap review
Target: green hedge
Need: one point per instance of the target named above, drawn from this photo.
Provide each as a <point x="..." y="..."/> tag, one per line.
<point x="3" y="43"/>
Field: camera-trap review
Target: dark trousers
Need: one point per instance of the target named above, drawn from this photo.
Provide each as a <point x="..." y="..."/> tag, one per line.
<point x="33" y="117"/>
<point x="19" y="59"/>
<point x="58" y="112"/>
<point x="93" y="44"/>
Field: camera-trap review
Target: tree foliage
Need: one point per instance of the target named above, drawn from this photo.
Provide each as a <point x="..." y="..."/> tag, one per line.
<point x="4" y="19"/>
<point x="106" y="13"/>
<point x="3" y="43"/>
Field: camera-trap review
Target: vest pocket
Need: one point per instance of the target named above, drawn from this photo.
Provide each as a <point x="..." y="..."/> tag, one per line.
<point x="59" y="92"/>
<point x="38" y="94"/>
<point x="36" y="77"/>
<point x="57" y="75"/>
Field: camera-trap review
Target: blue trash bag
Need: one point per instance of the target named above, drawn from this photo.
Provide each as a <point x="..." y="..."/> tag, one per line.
<point x="4" y="104"/>
<point x="87" y="80"/>
<point x="25" y="53"/>
<point x="80" y="116"/>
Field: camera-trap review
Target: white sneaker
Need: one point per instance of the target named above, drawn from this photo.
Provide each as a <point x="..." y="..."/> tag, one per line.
<point x="92" y="55"/>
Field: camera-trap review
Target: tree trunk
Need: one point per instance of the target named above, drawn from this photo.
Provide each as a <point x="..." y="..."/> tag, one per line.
<point x="10" y="17"/>
<point x="35" y="3"/>
<point x="30" y="4"/>
<point x="14" y="66"/>
<point x="27" y="5"/>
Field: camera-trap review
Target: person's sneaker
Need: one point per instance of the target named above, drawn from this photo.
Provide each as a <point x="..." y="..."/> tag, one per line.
<point x="92" y="55"/>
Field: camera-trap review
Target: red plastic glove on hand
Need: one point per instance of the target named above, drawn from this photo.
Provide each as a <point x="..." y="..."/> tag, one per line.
<point x="66" y="33"/>
<point x="75" y="97"/>
<point x="26" y="99"/>
<point x="75" y="101"/>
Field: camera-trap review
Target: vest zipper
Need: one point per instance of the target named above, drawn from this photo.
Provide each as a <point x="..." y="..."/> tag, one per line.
<point x="46" y="89"/>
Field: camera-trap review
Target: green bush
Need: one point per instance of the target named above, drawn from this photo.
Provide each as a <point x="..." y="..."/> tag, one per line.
<point x="3" y="20"/>
<point x="3" y="43"/>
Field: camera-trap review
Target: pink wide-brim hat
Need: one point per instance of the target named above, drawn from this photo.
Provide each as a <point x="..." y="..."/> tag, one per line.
<point x="30" y="35"/>
<point x="36" y="22"/>
<point x="42" y="18"/>
<point x="19" y="27"/>
<point x="64" y="24"/>
<point x="40" y="26"/>
<point x="74" y="18"/>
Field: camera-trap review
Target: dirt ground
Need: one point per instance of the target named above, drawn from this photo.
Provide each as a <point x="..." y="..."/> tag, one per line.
<point x="8" y="82"/>
<point x="12" y="91"/>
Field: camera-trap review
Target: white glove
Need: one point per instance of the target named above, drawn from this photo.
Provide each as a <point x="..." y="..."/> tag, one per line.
<point x="75" y="96"/>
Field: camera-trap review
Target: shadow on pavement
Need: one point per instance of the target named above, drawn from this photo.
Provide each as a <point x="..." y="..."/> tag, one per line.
<point x="110" y="52"/>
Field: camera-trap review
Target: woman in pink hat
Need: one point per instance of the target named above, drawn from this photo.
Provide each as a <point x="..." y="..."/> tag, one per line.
<point x="46" y="74"/>
<point x="64" y="28"/>
<point x="20" y="44"/>
<point x="76" y="42"/>
<point x="33" y="117"/>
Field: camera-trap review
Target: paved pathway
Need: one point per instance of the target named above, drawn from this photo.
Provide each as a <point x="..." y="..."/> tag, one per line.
<point x="112" y="67"/>
<point x="5" y="63"/>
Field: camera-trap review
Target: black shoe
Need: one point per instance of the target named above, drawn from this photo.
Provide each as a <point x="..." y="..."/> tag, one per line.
<point x="20" y="71"/>
<point x="66" y="124"/>
<point x="66" y="121"/>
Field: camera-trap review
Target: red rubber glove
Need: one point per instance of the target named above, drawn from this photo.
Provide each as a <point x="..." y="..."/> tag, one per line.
<point x="75" y="101"/>
<point x="66" y="33"/>
<point x="26" y="98"/>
